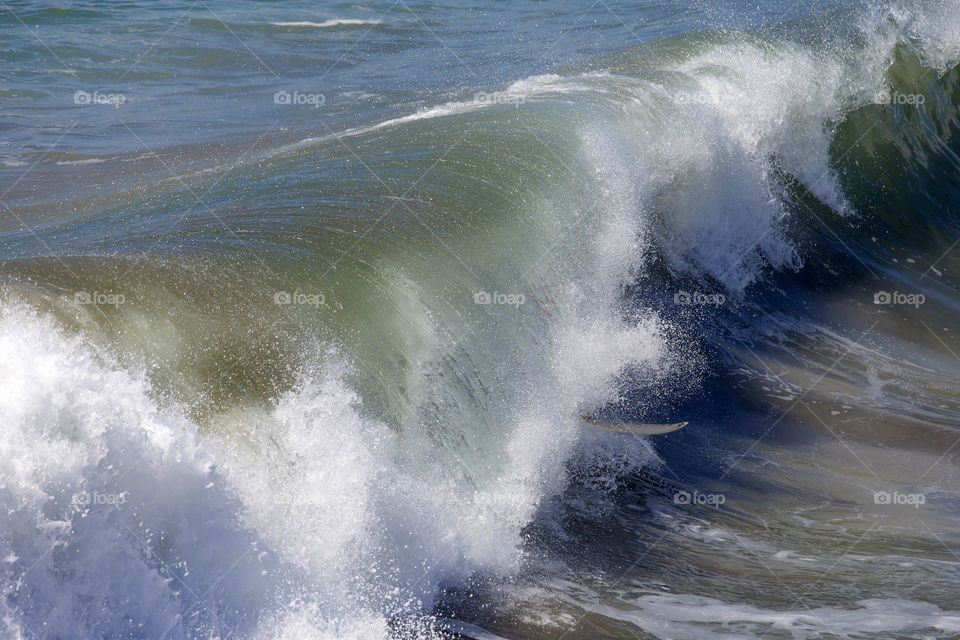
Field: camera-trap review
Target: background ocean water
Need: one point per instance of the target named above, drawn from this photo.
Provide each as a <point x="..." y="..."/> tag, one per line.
<point x="301" y="304"/>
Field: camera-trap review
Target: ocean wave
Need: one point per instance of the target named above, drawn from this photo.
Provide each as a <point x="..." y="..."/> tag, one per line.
<point x="367" y="392"/>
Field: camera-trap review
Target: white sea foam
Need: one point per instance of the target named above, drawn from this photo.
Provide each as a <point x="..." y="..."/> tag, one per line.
<point x="85" y="161"/>
<point x="113" y="518"/>
<point x="333" y="22"/>
<point x="307" y="523"/>
<point x="688" y="617"/>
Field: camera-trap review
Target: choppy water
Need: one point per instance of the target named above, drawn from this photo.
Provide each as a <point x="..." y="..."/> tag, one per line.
<point x="301" y="304"/>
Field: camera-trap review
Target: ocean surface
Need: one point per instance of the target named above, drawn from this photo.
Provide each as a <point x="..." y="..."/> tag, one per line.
<point x="301" y="304"/>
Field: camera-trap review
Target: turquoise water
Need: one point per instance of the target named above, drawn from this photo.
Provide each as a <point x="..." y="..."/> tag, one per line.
<point x="301" y="304"/>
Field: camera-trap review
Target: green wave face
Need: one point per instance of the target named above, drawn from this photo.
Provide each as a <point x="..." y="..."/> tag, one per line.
<point x="545" y="199"/>
<point x="401" y="321"/>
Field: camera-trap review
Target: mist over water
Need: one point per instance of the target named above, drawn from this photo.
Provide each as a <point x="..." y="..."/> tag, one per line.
<point x="301" y="307"/>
